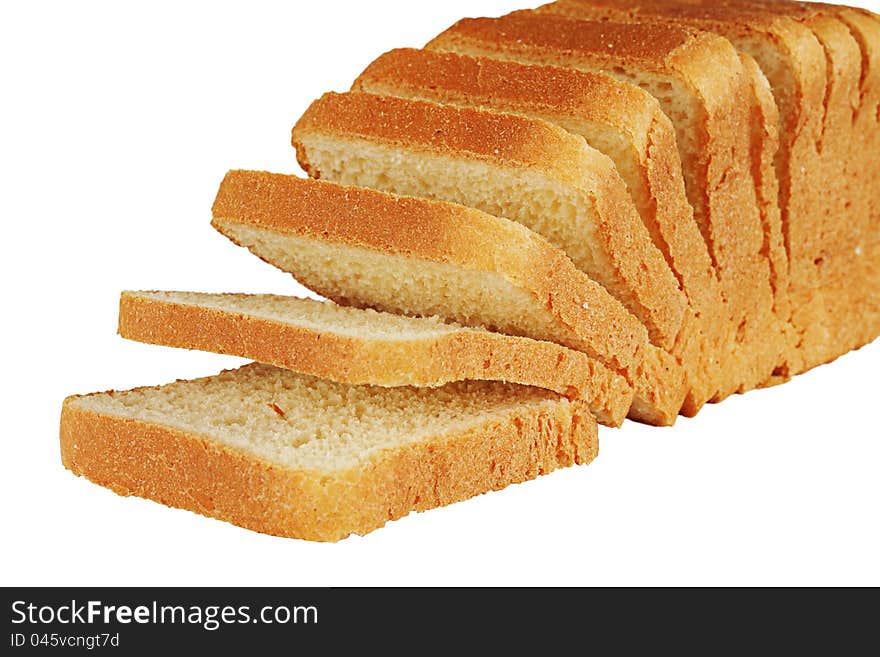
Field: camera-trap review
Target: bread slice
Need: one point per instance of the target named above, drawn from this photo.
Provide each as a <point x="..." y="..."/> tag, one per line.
<point x="412" y="256"/>
<point x="290" y="455"/>
<point x="618" y="119"/>
<point x="764" y="150"/>
<point x="509" y="166"/>
<point x="699" y="81"/>
<point x="810" y="54"/>
<point x="356" y="346"/>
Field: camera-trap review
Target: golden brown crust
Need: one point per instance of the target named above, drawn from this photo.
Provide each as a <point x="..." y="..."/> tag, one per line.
<point x="449" y="233"/>
<point x="423" y="361"/>
<point x="646" y="46"/>
<point x="654" y="47"/>
<point x="503" y="139"/>
<point x="509" y="86"/>
<point x="445" y="232"/>
<point x="641" y="279"/>
<point x="190" y="471"/>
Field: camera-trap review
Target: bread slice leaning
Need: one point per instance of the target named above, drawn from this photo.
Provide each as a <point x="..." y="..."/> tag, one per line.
<point x="356" y="346"/>
<point x="295" y="456"/>
<point x="412" y="256"/>
<point x="699" y="80"/>
<point x="616" y="118"/>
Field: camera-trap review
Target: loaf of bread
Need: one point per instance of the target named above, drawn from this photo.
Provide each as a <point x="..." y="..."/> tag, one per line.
<point x="701" y="85"/>
<point x="592" y="210"/>
<point x="355" y="346"/>
<point x="618" y="119"/>
<point x="292" y="455"/>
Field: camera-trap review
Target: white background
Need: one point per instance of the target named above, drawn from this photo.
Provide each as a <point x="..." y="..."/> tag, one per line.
<point x="116" y="126"/>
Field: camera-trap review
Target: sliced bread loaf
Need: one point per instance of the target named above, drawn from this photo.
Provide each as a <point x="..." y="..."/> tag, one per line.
<point x="616" y="118"/>
<point x="291" y="455"/>
<point x="412" y="256"/>
<point x="356" y="346"/>
<point x="700" y="82"/>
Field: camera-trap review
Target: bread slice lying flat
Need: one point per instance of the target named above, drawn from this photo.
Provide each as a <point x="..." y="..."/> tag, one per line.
<point x="412" y="256"/>
<point x="699" y="81"/>
<point x="616" y="118"/>
<point x="816" y="57"/>
<point x="291" y="455"/>
<point x="356" y="346"/>
<point x="510" y="166"/>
